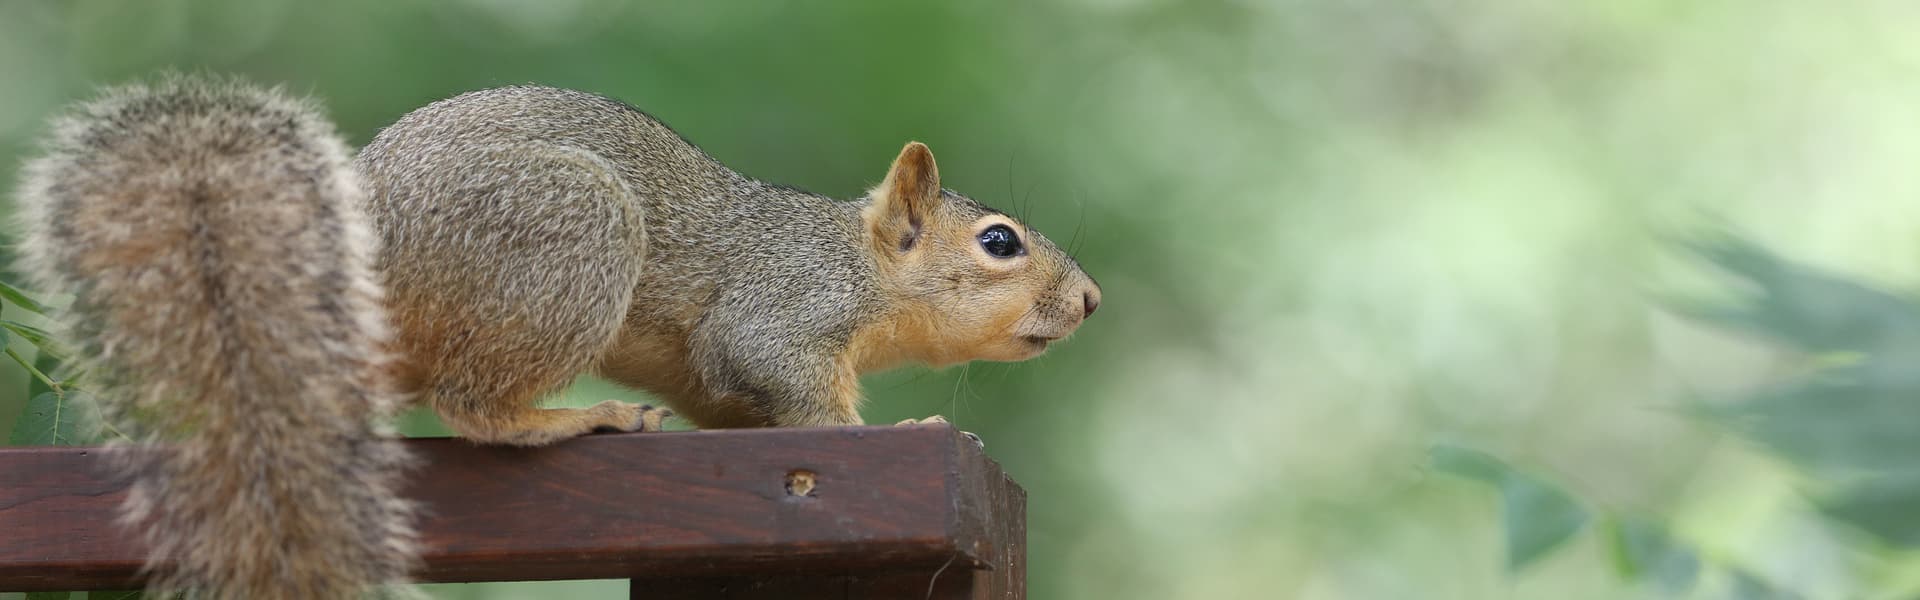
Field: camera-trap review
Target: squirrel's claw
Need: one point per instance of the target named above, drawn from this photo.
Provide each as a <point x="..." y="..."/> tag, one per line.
<point x="615" y="416"/>
<point x="653" y="418"/>
<point x="939" y="420"/>
<point x="976" y="439"/>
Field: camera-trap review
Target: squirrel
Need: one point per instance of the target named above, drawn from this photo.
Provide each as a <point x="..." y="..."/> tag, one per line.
<point x="263" y="300"/>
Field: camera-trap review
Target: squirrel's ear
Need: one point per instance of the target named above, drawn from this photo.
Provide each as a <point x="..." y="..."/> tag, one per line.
<point x="903" y="201"/>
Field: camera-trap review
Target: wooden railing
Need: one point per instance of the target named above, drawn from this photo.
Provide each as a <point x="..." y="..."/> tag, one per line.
<point x="845" y="513"/>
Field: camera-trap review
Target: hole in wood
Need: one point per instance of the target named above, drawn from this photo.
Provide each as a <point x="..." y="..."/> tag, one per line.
<point x="800" y="482"/>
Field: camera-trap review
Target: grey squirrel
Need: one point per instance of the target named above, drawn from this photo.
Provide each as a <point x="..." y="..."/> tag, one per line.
<point x="262" y="303"/>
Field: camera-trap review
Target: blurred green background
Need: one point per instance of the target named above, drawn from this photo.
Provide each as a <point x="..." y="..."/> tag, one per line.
<point x="1332" y="235"/>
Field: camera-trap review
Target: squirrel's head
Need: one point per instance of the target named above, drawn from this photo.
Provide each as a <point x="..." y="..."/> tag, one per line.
<point x="969" y="282"/>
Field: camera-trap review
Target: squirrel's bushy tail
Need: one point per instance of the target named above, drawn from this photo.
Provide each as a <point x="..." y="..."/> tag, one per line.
<point x="214" y="238"/>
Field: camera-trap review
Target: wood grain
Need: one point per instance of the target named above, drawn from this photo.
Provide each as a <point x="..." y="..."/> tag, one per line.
<point x="888" y="505"/>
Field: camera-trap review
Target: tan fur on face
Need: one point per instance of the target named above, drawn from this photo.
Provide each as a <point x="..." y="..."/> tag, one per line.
<point x="951" y="302"/>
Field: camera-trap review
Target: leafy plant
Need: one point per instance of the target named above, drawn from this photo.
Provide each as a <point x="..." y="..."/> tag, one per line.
<point x="1851" y="422"/>
<point x="1854" y="421"/>
<point x="56" y="413"/>
<point x="1536" y="515"/>
<point x="1539" y="516"/>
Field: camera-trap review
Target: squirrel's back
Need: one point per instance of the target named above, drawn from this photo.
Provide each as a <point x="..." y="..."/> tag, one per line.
<point x="648" y="155"/>
<point x="213" y="238"/>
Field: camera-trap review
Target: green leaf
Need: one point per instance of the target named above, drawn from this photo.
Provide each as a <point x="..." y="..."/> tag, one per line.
<point x="45" y="363"/>
<point x="1748" y="587"/>
<point x="1644" y="550"/>
<point x="14" y="295"/>
<point x="22" y="361"/>
<point x="1883" y="508"/>
<point x="49" y="595"/>
<point x="1538" y="517"/>
<point x="1468" y="463"/>
<point x="55" y="419"/>
<point x="1839" y="423"/>
<point x="1807" y="308"/>
<point x="40" y="337"/>
<point x="1852" y="427"/>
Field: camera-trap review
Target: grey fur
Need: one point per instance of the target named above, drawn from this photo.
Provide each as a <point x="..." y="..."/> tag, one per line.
<point x="611" y="244"/>
<point x="728" y="267"/>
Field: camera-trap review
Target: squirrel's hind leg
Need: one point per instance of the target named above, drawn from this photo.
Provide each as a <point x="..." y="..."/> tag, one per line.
<point x="491" y="391"/>
<point x="491" y="333"/>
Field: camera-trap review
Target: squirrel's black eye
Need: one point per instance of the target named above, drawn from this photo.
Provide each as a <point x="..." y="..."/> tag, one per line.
<point x="1000" y="241"/>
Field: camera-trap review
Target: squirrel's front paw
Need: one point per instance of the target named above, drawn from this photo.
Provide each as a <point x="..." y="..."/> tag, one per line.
<point x="939" y="420"/>
<point x="627" y="416"/>
<point x="653" y="418"/>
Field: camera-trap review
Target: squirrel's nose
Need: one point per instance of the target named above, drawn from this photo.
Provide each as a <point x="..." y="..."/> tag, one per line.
<point x="1089" y="292"/>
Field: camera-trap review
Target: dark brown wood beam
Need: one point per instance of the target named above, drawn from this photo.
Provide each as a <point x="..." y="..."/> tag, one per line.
<point x="860" y="512"/>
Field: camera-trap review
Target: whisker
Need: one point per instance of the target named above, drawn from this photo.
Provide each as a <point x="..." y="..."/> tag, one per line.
<point x="922" y="375"/>
<point x="1073" y="245"/>
<point x="953" y="399"/>
<point x="1024" y="209"/>
<point x="1010" y="197"/>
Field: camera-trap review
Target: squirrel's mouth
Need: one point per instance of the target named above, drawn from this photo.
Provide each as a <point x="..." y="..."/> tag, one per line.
<point x="1037" y="341"/>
